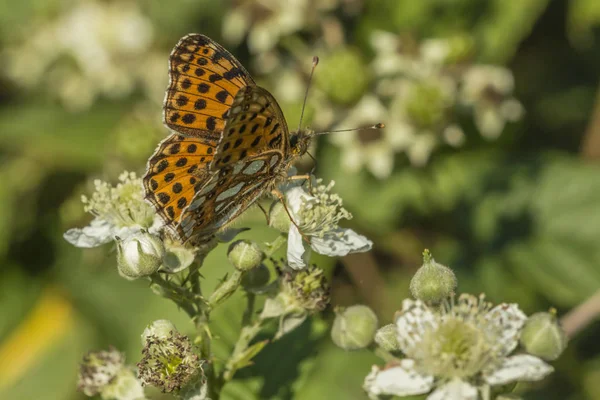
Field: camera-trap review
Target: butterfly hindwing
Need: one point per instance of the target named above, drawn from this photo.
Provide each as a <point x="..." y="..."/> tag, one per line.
<point x="178" y="168"/>
<point x="204" y="79"/>
<point x="254" y="124"/>
<point x="228" y="194"/>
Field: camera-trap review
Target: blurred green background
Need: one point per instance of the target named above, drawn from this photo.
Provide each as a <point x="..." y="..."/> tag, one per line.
<point x="489" y="159"/>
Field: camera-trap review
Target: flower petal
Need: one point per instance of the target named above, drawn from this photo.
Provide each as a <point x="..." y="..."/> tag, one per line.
<point x="96" y="234"/>
<point x="340" y="242"/>
<point x="507" y="319"/>
<point x="454" y="390"/>
<point x="522" y="367"/>
<point x="401" y="380"/>
<point x="295" y="198"/>
<point x="295" y="249"/>
<point x="414" y="319"/>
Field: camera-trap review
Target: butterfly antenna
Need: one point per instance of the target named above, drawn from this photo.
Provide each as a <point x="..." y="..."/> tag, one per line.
<point x="314" y="64"/>
<point x="376" y="126"/>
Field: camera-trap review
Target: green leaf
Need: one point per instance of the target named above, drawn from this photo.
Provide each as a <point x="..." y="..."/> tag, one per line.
<point x="544" y="226"/>
<point x="508" y="23"/>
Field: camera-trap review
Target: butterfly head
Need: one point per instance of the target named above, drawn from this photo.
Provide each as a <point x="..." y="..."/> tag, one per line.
<point x="300" y="140"/>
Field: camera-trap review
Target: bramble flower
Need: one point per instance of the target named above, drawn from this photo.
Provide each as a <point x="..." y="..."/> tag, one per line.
<point x="105" y="44"/>
<point x="105" y="373"/>
<point x="301" y="293"/>
<point x="317" y="214"/>
<point x="488" y="90"/>
<point x="265" y="22"/>
<point x="119" y="211"/>
<point x="168" y="359"/>
<point x="458" y="351"/>
<point x="373" y="149"/>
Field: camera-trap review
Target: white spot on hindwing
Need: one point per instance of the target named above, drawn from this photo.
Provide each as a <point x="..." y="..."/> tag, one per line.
<point x="254" y="167"/>
<point x="230" y="192"/>
<point x="197" y="202"/>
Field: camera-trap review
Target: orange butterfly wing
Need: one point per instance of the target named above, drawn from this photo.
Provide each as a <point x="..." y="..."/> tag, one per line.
<point x="176" y="171"/>
<point x="204" y="79"/>
<point x="255" y="124"/>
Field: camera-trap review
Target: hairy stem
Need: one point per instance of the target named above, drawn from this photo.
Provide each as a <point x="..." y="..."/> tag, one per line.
<point x="582" y="315"/>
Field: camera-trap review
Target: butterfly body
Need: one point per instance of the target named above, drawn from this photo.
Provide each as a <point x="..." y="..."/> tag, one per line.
<point x="230" y="145"/>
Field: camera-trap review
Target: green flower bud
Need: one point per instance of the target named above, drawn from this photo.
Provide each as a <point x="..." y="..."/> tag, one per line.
<point x="256" y="279"/>
<point x="161" y="328"/>
<point x="387" y="338"/>
<point x="278" y="217"/>
<point x="245" y="255"/>
<point x="343" y="76"/>
<point x="354" y="327"/>
<point x="433" y="282"/>
<point x="178" y="256"/>
<point x="543" y="337"/>
<point x="139" y="255"/>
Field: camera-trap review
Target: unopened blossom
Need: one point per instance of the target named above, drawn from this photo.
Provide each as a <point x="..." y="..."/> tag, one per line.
<point x="457" y="352"/>
<point x="119" y="211"/>
<point x="316" y="214"/>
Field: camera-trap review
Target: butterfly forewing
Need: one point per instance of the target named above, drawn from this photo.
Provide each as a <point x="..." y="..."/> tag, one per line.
<point x="255" y="124"/>
<point x="178" y="168"/>
<point x="204" y="79"/>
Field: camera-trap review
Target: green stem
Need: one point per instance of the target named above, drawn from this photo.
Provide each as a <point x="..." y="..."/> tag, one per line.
<point x="176" y="294"/>
<point x="247" y="334"/>
<point x="383" y="354"/>
<point x="247" y="317"/>
<point x="273" y="247"/>
<point x="225" y="289"/>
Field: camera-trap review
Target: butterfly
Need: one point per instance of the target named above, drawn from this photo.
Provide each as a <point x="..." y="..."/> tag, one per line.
<point x="230" y="142"/>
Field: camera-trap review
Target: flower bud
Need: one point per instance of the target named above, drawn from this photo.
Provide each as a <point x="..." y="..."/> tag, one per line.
<point x="245" y="255"/>
<point x="278" y="217"/>
<point x="387" y="338"/>
<point x="346" y="85"/>
<point x="543" y="337"/>
<point x="354" y="327"/>
<point x="161" y="328"/>
<point x="256" y="279"/>
<point x="139" y="255"/>
<point x="433" y="282"/>
<point x="177" y="256"/>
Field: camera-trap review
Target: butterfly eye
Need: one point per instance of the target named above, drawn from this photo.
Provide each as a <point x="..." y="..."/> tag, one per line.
<point x="294" y="140"/>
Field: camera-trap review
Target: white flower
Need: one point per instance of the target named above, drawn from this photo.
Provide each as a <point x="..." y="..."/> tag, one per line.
<point x="103" y="42"/>
<point x="317" y="214"/>
<point x="488" y="90"/>
<point x="457" y="352"/>
<point x="119" y="211"/>
<point x="369" y="148"/>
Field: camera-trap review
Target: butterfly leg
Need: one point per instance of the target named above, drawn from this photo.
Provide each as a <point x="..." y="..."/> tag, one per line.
<point x="264" y="212"/>
<point x="281" y="198"/>
<point x="306" y="177"/>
